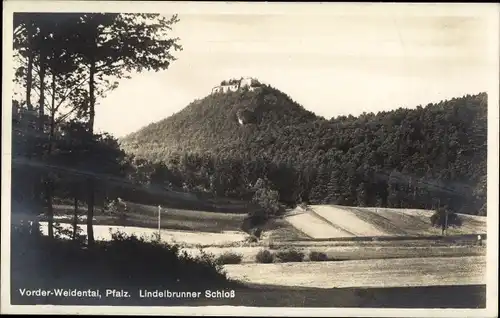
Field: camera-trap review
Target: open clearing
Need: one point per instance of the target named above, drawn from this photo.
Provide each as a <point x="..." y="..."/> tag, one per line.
<point x="147" y="216"/>
<point x="103" y="232"/>
<point x="343" y="253"/>
<point x="332" y="221"/>
<point x="300" y="228"/>
<point x="317" y="222"/>
<point x="233" y="242"/>
<point x="405" y="272"/>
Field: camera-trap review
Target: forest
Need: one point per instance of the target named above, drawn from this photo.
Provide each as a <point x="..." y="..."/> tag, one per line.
<point x="424" y="157"/>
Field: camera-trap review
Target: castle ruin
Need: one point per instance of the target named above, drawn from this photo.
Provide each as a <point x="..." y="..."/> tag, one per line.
<point x="234" y="85"/>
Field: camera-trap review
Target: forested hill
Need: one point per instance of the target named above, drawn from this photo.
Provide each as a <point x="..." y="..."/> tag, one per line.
<point x="420" y="158"/>
<point x="212" y="124"/>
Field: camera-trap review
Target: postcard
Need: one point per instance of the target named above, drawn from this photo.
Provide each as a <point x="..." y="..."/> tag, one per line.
<point x="239" y="158"/>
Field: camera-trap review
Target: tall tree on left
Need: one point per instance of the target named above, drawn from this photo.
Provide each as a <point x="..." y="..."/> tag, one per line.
<point x="112" y="46"/>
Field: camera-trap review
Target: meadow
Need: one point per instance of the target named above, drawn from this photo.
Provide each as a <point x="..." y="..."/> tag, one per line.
<point x="360" y="247"/>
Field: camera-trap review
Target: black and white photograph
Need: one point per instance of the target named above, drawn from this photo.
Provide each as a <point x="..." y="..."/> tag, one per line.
<point x="239" y="158"/>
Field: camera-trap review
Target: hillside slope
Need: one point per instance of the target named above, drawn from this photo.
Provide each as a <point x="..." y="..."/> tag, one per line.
<point x="331" y="221"/>
<point x="212" y="124"/>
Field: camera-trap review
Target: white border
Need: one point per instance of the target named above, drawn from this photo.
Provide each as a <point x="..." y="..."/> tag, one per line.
<point x="488" y="11"/>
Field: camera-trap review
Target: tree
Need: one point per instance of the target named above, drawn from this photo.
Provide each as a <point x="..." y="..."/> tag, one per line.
<point x="444" y="218"/>
<point x="112" y="46"/>
<point x="267" y="199"/>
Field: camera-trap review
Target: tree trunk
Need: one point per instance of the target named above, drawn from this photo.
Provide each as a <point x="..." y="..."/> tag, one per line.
<point x="41" y="109"/>
<point x="41" y="124"/>
<point x="90" y="182"/>
<point x="50" y="210"/>
<point x="90" y="211"/>
<point x="49" y="183"/>
<point x="75" y="217"/>
<point x="29" y="75"/>
<point x="91" y="97"/>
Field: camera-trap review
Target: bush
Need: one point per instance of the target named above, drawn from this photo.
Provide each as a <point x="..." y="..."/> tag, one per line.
<point x="290" y="255"/>
<point x="264" y="256"/>
<point x="229" y="258"/>
<point x="125" y="260"/>
<point x="317" y="256"/>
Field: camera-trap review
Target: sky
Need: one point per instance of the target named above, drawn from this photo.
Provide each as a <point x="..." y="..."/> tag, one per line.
<point x="333" y="62"/>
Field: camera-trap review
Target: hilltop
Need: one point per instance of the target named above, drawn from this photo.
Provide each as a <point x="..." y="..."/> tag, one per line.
<point x="417" y="158"/>
<point x="220" y="121"/>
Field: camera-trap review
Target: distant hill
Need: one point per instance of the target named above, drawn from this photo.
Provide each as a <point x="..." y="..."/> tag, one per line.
<point x="417" y="158"/>
<point x="221" y="122"/>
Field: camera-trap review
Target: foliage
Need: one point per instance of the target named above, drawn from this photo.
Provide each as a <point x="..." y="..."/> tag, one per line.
<point x="229" y="258"/>
<point x="289" y="255"/>
<point x="118" y="209"/>
<point x="125" y="260"/>
<point x="317" y="256"/>
<point x="266" y="198"/>
<point x="442" y="218"/>
<point x="264" y="256"/>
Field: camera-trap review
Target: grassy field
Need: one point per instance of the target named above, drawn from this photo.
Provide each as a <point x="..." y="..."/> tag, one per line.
<point x="402" y="272"/>
<point x="234" y="242"/>
<point x="359" y="273"/>
<point x="344" y="253"/>
<point x="318" y="222"/>
<point x="147" y="216"/>
<point x="188" y="238"/>
<point x="331" y="221"/>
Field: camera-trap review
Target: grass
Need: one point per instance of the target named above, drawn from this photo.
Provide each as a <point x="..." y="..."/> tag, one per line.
<point x="333" y="221"/>
<point x="406" y="272"/>
<point x="254" y="254"/>
<point x="280" y="229"/>
<point x="147" y="216"/>
<point x="130" y="263"/>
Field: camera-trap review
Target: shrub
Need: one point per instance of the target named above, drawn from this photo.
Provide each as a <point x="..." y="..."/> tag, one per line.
<point x="317" y="256"/>
<point x="290" y="255"/>
<point x="125" y="259"/>
<point x="264" y="256"/>
<point x="229" y="258"/>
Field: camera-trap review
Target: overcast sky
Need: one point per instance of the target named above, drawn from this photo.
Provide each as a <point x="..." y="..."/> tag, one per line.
<point x="333" y="59"/>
